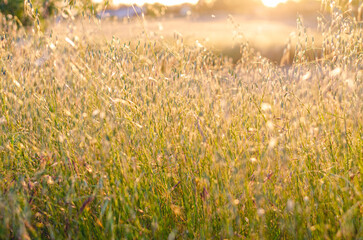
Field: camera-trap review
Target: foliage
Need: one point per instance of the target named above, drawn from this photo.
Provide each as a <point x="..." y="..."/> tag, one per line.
<point x="14" y="8"/>
<point x="157" y="139"/>
<point x="40" y="10"/>
<point x="155" y="10"/>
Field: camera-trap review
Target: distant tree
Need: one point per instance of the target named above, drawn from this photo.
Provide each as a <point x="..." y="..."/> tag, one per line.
<point x="42" y="9"/>
<point x="15" y="8"/>
<point x="155" y="10"/>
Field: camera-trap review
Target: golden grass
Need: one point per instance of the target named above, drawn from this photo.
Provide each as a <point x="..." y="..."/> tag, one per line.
<point x="159" y="138"/>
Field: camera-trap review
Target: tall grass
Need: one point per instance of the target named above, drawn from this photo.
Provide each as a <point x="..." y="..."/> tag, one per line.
<point x="158" y="139"/>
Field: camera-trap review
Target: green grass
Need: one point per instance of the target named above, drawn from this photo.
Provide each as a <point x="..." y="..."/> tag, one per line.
<point x="158" y="139"/>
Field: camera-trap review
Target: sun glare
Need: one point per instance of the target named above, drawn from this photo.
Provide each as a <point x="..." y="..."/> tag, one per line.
<point x="272" y="3"/>
<point x="267" y="3"/>
<point x="141" y="2"/>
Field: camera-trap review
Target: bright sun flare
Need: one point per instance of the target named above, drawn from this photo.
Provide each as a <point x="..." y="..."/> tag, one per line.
<point x="272" y="3"/>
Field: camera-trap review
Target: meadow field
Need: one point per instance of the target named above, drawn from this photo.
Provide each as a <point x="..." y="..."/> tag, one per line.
<point x="157" y="137"/>
<point x="218" y="33"/>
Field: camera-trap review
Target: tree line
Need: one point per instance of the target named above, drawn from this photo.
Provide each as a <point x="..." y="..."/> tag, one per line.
<point x="43" y="9"/>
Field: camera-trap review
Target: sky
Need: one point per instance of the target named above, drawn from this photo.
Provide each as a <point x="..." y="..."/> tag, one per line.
<point x="272" y="3"/>
<point x="267" y="3"/>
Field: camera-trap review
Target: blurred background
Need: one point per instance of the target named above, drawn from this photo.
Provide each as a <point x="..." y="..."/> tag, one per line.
<point x="220" y="25"/>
